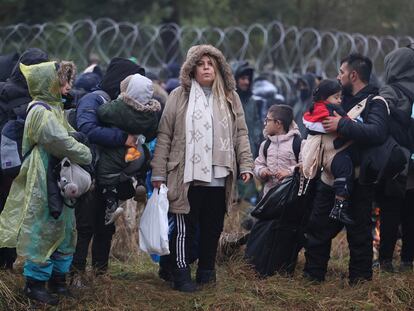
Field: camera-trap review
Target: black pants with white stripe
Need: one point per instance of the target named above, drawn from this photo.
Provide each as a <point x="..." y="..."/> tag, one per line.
<point x="203" y="224"/>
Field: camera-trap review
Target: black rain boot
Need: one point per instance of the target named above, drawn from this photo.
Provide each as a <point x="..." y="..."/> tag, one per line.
<point x="313" y="279"/>
<point x="165" y="274"/>
<point x="205" y="276"/>
<point x="36" y="290"/>
<point x="57" y="285"/>
<point x="182" y="280"/>
<point x="340" y="212"/>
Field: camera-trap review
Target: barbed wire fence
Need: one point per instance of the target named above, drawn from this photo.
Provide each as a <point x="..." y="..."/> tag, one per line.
<point x="278" y="51"/>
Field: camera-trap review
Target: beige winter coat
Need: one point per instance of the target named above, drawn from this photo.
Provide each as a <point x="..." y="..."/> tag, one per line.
<point x="169" y="157"/>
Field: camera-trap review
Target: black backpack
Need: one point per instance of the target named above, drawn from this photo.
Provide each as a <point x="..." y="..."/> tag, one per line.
<point x="296" y="144"/>
<point x="385" y="161"/>
<point x="401" y="125"/>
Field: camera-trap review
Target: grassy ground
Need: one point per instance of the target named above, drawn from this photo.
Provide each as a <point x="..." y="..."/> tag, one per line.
<point x="134" y="285"/>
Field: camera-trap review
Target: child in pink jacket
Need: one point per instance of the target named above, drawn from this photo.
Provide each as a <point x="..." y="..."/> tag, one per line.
<point x="277" y="158"/>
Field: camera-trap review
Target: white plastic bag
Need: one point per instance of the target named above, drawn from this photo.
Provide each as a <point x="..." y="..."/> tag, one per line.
<point x="153" y="226"/>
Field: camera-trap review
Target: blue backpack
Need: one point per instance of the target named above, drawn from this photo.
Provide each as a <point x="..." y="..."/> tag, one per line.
<point x="11" y="156"/>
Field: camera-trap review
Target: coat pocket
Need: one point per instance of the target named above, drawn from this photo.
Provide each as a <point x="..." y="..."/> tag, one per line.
<point x="172" y="180"/>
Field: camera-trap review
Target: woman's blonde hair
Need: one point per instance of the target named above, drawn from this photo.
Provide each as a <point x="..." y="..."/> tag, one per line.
<point x="218" y="84"/>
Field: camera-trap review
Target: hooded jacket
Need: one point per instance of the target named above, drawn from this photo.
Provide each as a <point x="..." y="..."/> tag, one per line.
<point x="25" y="222"/>
<point x="168" y="163"/>
<point x="7" y="63"/>
<point x="86" y="113"/>
<point x="135" y="112"/>
<point x="399" y="70"/>
<point x="399" y="92"/>
<point x="303" y="104"/>
<point x="251" y="108"/>
<point x="14" y="95"/>
<point x="244" y="69"/>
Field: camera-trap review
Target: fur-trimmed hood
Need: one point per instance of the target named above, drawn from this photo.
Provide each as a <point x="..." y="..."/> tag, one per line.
<point x="194" y="54"/>
<point x="137" y="91"/>
<point x="66" y="72"/>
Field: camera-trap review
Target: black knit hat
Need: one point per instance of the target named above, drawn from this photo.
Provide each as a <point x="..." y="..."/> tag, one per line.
<point x="118" y="70"/>
<point x="325" y="89"/>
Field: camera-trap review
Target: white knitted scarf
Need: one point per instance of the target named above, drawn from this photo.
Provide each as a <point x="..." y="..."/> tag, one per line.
<point x="199" y="136"/>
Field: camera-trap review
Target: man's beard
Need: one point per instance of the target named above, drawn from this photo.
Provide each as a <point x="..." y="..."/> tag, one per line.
<point x="347" y="89"/>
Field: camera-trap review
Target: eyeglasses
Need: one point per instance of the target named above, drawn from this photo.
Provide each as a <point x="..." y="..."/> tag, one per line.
<point x="266" y="120"/>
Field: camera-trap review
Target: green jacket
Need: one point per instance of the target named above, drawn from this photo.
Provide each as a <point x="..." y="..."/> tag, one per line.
<point x="119" y="114"/>
<point x="25" y="222"/>
<point x="128" y="118"/>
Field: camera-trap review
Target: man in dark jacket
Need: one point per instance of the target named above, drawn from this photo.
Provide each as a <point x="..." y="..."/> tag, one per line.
<point x="354" y="75"/>
<point x="244" y="79"/>
<point x="7" y="63"/>
<point x="305" y="84"/>
<point x="14" y="95"/>
<point x="394" y="201"/>
<point x="91" y="213"/>
<point x="14" y="98"/>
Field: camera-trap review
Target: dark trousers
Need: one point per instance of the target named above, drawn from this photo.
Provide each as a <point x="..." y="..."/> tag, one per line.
<point x="207" y="214"/>
<point x="7" y="255"/>
<point x="321" y="230"/>
<point x="342" y="169"/>
<point x="395" y="211"/>
<point x="90" y="217"/>
<point x="7" y="258"/>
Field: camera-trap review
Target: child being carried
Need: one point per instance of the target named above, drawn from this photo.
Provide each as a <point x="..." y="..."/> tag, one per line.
<point x="135" y="112"/>
<point x="333" y="153"/>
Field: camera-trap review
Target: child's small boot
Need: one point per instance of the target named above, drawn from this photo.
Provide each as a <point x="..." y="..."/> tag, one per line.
<point x="36" y="290"/>
<point x="112" y="209"/>
<point x="57" y="285"/>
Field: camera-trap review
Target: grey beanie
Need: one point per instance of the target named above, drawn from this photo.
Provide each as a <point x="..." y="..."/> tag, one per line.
<point x="138" y="91"/>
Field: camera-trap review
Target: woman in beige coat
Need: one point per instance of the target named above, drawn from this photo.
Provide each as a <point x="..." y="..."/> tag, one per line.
<point x="202" y="145"/>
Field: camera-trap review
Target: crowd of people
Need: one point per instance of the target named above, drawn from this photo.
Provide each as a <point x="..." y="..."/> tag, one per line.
<point x="214" y="134"/>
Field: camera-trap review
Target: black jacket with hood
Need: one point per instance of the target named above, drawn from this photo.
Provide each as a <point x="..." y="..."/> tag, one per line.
<point x="7" y="63"/>
<point x="399" y="92"/>
<point x="14" y="95"/>
<point x="303" y="105"/>
<point x="251" y="107"/>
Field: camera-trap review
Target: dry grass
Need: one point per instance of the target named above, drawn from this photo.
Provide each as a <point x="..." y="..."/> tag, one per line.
<point x="133" y="285"/>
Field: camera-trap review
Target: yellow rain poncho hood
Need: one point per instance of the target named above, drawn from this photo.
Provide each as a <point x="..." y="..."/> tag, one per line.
<point x="25" y="222"/>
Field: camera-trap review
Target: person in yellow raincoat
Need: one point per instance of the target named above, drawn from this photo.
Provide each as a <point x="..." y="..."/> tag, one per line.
<point x="25" y="223"/>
